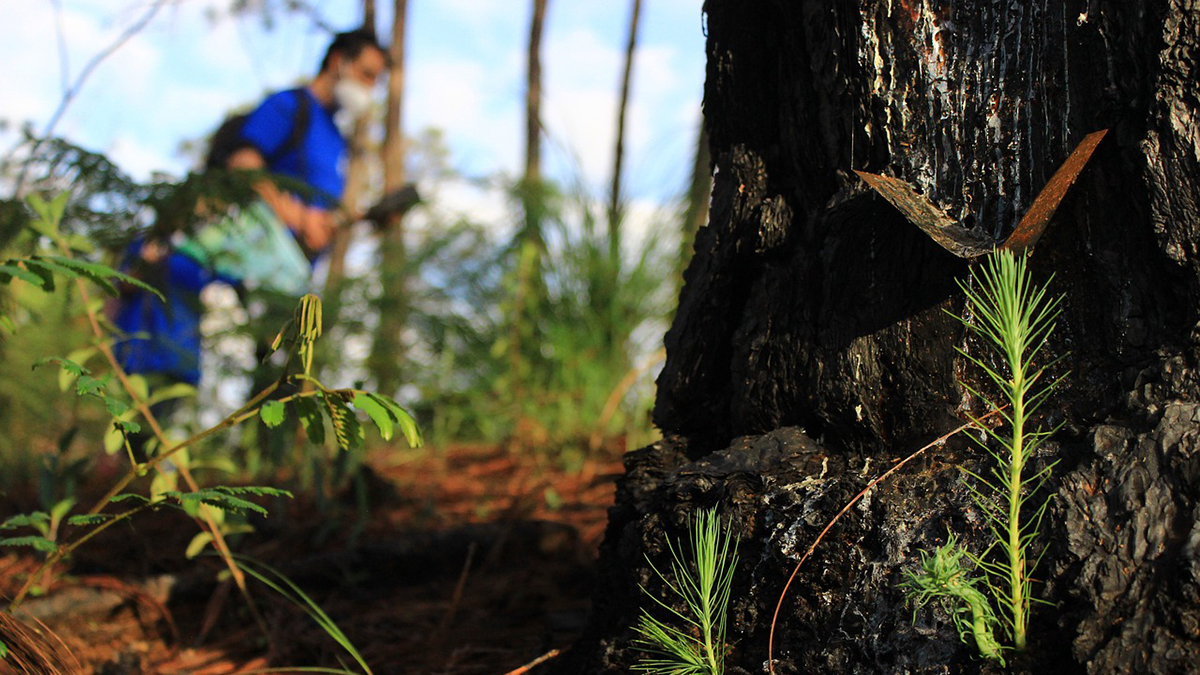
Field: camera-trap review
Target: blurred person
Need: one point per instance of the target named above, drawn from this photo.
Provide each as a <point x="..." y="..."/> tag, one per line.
<point x="294" y="134"/>
<point x="340" y="93"/>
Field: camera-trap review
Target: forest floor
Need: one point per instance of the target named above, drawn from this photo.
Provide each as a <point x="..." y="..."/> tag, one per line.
<point x="471" y="560"/>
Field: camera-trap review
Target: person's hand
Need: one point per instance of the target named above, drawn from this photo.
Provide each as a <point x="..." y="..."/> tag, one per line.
<point x="316" y="230"/>
<point x="153" y="251"/>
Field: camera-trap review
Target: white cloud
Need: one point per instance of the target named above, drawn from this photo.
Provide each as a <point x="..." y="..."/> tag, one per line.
<point x="137" y="158"/>
<point x="468" y="100"/>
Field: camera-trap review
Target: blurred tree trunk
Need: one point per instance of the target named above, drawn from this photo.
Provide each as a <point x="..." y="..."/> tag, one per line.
<point x="615" y="205"/>
<point x="533" y="95"/>
<point x="816" y="341"/>
<point x="604" y="293"/>
<point x="530" y="242"/>
<point x="386" y="360"/>
<point x="368" y="21"/>
<point x="356" y="183"/>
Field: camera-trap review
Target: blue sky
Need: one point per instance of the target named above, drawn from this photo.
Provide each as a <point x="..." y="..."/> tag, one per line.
<point x="466" y="65"/>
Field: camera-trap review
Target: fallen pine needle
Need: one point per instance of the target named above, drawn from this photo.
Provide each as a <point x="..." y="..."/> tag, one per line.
<point x="534" y="663"/>
<point x="812" y="547"/>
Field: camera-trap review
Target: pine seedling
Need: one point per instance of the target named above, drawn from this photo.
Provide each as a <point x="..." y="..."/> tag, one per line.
<point x="1016" y="317"/>
<point x="695" y="644"/>
<point x="942" y="577"/>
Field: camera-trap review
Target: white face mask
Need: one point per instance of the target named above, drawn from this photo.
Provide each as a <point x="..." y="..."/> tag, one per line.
<point x="352" y="97"/>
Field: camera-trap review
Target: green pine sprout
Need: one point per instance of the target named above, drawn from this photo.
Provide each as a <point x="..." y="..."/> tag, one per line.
<point x="1016" y="317"/>
<point x="942" y="576"/>
<point x="698" y="646"/>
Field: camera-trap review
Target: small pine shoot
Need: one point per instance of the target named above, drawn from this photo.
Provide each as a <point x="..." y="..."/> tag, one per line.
<point x="1016" y="318"/>
<point x="693" y="642"/>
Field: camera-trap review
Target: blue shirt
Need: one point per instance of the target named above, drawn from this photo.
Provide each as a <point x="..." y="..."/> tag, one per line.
<point x="164" y="337"/>
<point x="320" y="158"/>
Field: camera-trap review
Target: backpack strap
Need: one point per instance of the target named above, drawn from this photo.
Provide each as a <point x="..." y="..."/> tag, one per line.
<point x="301" y="121"/>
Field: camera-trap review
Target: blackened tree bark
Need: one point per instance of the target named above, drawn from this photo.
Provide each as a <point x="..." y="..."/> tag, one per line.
<point x="815" y="344"/>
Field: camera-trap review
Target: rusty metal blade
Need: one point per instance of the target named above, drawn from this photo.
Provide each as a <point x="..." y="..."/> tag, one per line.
<point x="926" y="215"/>
<point x="1031" y="227"/>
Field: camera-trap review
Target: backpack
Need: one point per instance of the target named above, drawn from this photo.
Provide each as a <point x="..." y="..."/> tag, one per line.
<point x="227" y="139"/>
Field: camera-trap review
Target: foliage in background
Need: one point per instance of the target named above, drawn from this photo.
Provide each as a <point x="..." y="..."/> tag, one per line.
<point x="103" y="210"/>
<point x="692" y="641"/>
<point x="57" y="531"/>
<point x="1015" y="317"/>
<point x="591" y="319"/>
<point x="526" y="340"/>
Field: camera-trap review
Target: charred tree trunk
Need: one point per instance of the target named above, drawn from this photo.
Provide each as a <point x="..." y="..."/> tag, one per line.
<point x="814" y="343"/>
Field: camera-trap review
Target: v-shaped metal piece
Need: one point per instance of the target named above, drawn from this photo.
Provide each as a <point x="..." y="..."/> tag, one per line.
<point x="966" y="243"/>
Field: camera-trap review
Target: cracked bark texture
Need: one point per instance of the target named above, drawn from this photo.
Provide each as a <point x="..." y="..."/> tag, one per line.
<point x="813" y="345"/>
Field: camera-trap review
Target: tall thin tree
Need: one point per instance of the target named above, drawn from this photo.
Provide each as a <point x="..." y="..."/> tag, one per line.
<point x="387" y="350"/>
<point x="615" y="206"/>
<point x="356" y="181"/>
<point x="533" y="95"/>
<point x="530" y="243"/>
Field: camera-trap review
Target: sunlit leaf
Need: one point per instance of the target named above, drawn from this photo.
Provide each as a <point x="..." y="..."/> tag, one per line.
<point x="114" y="440"/>
<point x="46" y="223"/>
<point x="80" y="243"/>
<point x="272" y="413"/>
<point x="140" y="388"/>
<point x="59" y="510"/>
<point x="169" y="393"/>
<point x="378" y="413"/>
<point x="197" y="544"/>
<point x="408" y="426"/>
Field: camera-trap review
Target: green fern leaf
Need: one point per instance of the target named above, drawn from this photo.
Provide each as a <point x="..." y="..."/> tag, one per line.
<point x="38" y="543"/>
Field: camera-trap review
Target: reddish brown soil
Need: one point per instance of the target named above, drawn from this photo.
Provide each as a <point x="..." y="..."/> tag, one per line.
<point x="470" y="561"/>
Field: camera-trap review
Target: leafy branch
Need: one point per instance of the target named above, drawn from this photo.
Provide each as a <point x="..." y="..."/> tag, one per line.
<point x="299" y="336"/>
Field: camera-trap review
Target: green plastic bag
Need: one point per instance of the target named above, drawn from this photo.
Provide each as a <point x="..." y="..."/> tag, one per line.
<point x="252" y="245"/>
